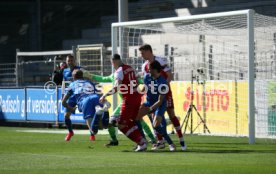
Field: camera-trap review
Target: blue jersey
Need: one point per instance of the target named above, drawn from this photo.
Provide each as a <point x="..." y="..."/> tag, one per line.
<point x="67" y="73"/>
<point x="155" y="88"/>
<point x="79" y="90"/>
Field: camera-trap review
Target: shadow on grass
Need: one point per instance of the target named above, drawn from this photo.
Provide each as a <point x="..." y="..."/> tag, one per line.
<point x="151" y="151"/>
<point x="224" y="143"/>
<point x="237" y="151"/>
<point x="222" y="151"/>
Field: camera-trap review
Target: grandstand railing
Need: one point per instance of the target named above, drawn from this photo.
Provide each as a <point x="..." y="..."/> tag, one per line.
<point x="8" y="75"/>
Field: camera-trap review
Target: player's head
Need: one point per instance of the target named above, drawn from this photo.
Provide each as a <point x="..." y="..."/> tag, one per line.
<point x="155" y="68"/>
<point x="116" y="60"/>
<point x="146" y="51"/>
<point x="77" y="74"/>
<point x="70" y="61"/>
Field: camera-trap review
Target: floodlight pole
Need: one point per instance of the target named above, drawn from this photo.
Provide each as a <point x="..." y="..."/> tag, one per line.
<point x="123" y="10"/>
<point x="123" y="17"/>
<point x="38" y="41"/>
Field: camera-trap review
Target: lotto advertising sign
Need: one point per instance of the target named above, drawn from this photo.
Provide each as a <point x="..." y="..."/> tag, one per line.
<point x="272" y="107"/>
<point x="12" y="104"/>
<point x="226" y="105"/>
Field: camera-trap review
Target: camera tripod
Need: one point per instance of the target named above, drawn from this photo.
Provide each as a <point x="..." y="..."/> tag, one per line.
<point x="189" y="115"/>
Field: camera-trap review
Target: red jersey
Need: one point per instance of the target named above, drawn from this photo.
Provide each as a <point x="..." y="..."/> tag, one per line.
<point x="126" y="74"/>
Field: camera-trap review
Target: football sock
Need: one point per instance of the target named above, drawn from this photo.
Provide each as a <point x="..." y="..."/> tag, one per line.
<point x="146" y="128"/>
<point x="139" y="125"/>
<point x="182" y="143"/>
<point x="95" y="124"/>
<point x="68" y="124"/>
<point x="161" y="130"/>
<point x="158" y="136"/>
<point x="112" y="133"/>
<point x="91" y="133"/>
<point x="177" y="127"/>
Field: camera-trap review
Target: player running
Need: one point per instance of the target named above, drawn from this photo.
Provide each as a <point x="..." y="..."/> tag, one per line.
<point x="126" y="82"/>
<point x="116" y="112"/>
<point x="156" y="89"/>
<point x="83" y="94"/>
<point x="147" y="54"/>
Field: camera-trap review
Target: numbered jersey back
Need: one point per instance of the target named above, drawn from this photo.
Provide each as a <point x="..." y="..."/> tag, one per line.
<point x="81" y="88"/>
<point x="129" y="85"/>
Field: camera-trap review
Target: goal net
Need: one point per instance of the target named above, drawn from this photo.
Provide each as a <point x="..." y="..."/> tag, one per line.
<point x="233" y="58"/>
<point x="36" y="68"/>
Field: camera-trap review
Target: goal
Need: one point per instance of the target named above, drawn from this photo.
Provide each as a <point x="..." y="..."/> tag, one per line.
<point x="35" y="68"/>
<point x="233" y="57"/>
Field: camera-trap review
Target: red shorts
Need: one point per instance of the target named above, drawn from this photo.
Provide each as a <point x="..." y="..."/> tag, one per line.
<point x="130" y="108"/>
<point x="170" y="104"/>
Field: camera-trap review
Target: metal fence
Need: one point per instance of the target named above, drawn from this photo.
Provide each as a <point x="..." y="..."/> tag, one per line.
<point x="7" y="75"/>
<point x="94" y="58"/>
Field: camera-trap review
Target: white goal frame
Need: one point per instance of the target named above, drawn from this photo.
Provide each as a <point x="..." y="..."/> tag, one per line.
<point x="250" y="52"/>
<point x="38" y="53"/>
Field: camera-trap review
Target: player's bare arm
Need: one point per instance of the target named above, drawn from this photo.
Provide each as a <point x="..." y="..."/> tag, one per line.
<point x="113" y="90"/>
<point x="158" y="103"/>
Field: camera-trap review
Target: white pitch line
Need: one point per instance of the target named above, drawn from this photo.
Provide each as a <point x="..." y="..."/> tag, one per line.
<point x="57" y="131"/>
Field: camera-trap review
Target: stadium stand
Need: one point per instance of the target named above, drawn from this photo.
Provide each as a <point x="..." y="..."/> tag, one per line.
<point x="63" y="24"/>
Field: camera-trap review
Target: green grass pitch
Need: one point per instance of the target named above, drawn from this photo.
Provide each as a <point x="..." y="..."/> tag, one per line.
<point x="22" y="152"/>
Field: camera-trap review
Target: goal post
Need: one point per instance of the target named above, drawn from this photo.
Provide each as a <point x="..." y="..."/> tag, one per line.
<point x="251" y="76"/>
<point x="230" y="47"/>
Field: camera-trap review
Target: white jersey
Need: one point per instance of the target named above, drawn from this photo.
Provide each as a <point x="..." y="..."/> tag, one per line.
<point x="119" y="74"/>
<point x="163" y="62"/>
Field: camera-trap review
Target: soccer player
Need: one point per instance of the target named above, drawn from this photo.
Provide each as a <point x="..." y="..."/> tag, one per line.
<point x="71" y="64"/>
<point x="148" y="56"/>
<point x="126" y="82"/>
<point x="116" y="113"/>
<point x="67" y="76"/>
<point x="83" y="94"/>
<point x="156" y="89"/>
